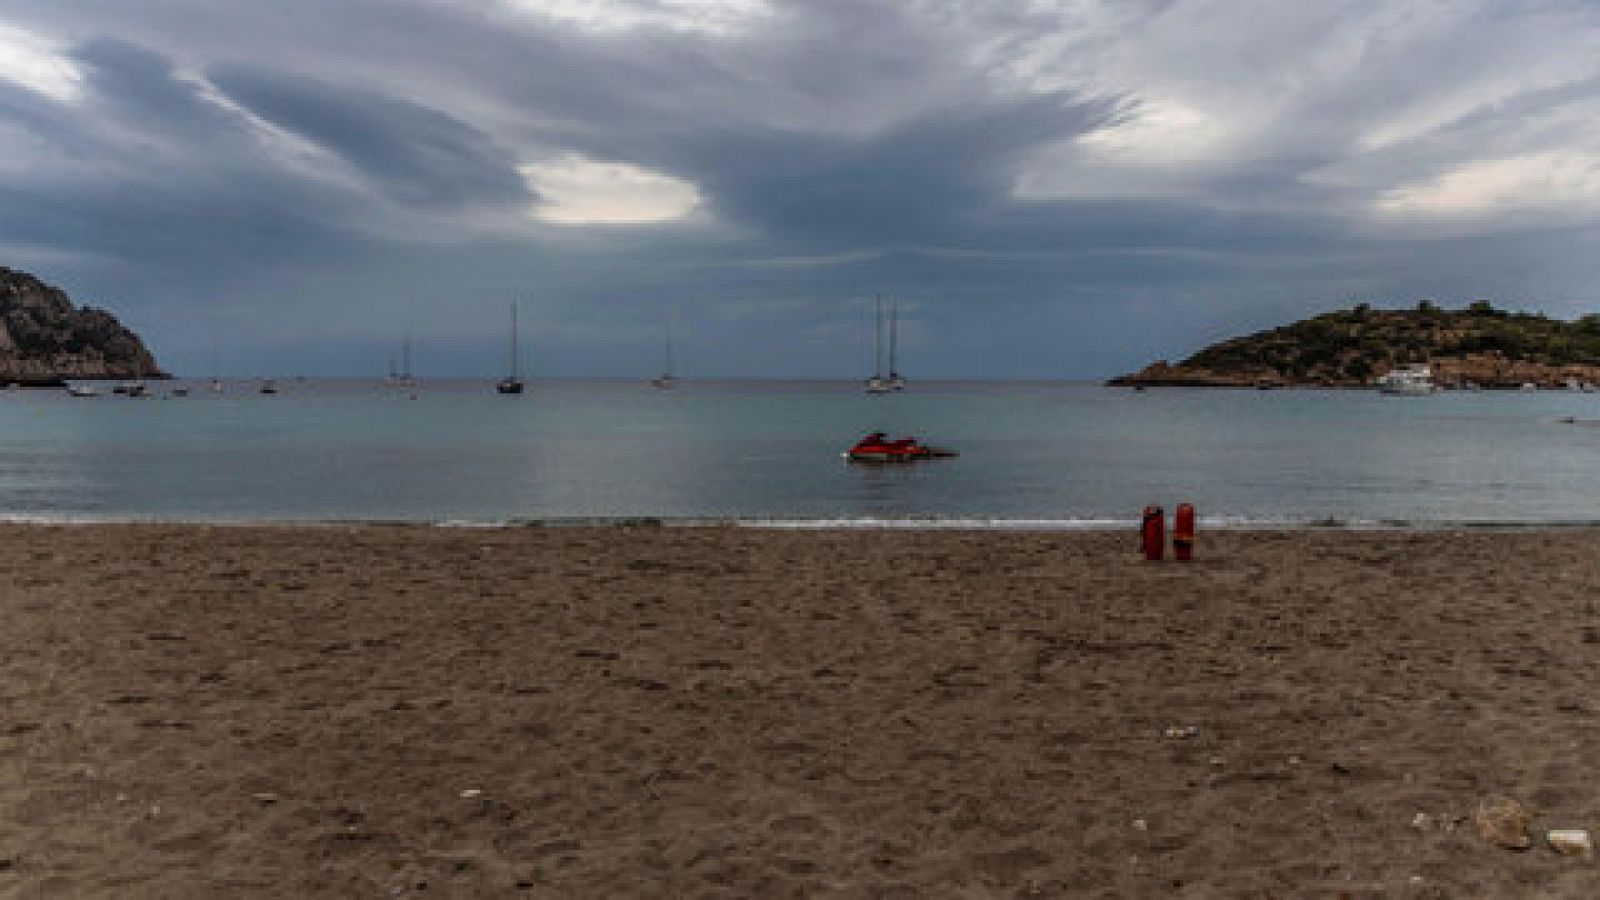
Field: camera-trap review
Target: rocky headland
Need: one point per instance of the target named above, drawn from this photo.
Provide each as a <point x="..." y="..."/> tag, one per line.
<point x="45" y="340"/>
<point x="1479" y="345"/>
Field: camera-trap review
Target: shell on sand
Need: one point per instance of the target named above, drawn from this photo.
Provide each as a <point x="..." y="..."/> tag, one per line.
<point x="1570" y="842"/>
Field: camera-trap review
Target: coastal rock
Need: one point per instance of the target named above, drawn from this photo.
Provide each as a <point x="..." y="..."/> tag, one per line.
<point x="45" y="340"/>
<point x="1504" y="823"/>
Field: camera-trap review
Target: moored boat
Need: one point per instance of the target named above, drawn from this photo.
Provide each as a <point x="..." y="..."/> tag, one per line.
<point x="877" y="384"/>
<point x="666" y="381"/>
<point x="512" y="383"/>
<point x="1407" y="381"/>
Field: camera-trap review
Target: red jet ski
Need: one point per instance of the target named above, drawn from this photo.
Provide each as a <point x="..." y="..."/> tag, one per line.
<point x="878" y="448"/>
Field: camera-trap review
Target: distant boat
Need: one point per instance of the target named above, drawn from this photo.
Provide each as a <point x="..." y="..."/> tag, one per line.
<point x="134" y="388"/>
<point x="512" y="383"/>
<point x="268" y="386"/>
<point x="180" y="392"/>
<point x="1408" y="381"/>
<point x="666" y="381"/>
<point x="82" y="390"/>
<point x="402" y="375"/>
<point x="877" y="384"/>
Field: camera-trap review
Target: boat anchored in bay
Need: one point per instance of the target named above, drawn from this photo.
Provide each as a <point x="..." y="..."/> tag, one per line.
<point x="666" y="381"/>
<point x="1414" y="380"/>
<point x="512" y="383"/>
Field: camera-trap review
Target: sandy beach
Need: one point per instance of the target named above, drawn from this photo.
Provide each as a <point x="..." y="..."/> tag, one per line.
<point x="369" y="711"/>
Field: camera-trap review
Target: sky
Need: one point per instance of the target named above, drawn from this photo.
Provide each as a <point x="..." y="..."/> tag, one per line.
<point x="1045" y="188"/>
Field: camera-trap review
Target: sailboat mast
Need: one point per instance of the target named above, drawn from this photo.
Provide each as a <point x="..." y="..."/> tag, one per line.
<point x="877" y="338"/>
<point x="669" y="352"/>
<point x="894" y="333"/>
<point x="513" y="348"/>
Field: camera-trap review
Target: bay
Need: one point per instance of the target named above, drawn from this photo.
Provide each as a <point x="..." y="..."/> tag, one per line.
<point x="1047" y="454"/>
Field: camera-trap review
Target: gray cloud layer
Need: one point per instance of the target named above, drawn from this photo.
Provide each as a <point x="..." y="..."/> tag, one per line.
<point x="1055" y="189"/>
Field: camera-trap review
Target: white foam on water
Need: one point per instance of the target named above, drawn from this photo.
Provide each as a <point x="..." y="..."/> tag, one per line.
<point x="862" y="523"/>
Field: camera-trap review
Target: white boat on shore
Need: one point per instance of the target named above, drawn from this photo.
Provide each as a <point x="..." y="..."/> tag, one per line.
<point x="1408" y="381"/>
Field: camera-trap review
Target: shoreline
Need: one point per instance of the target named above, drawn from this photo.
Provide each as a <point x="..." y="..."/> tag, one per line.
<point x="976" y="524"/>
<point x="191" y="711"/>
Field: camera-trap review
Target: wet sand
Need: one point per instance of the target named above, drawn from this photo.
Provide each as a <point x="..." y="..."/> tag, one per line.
<point x="337" y="711"/>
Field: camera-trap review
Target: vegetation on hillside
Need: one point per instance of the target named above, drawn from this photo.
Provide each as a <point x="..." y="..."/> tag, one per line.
<point x="43" y="337"/>
<point x="1353" y="345"/>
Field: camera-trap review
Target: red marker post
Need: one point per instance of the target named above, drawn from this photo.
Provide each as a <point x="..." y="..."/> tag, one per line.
<point x="1183" y="533"/>
<point x="1153" y="533"/>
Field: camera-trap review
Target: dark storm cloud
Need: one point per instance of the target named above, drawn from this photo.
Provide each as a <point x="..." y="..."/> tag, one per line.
<point x="130" y="82"/>
<point x="161" y="176"/>
<point x="931" y="179"/>
<point x="418" y="155"/>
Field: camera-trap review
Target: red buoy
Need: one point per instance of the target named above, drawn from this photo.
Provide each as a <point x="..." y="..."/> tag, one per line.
<point x="1183" y="533"/>
<point x="1153" y="533"/>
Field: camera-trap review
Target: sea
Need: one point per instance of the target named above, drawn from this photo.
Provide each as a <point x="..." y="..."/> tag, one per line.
<point x="1035" y="455"/>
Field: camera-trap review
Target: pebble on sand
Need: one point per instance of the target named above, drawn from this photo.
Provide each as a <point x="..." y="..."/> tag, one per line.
<point x="1570" y="842"/>
<point x="1504" y="822"/>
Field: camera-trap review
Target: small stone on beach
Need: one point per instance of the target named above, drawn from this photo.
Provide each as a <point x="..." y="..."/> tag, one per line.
<point x="1504" y="823"/>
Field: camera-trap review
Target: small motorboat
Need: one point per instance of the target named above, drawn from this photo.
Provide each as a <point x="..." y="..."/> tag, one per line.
<point x="81" y="390"/>
<point x="268" y="387"/>
<point x="878" y="448"/>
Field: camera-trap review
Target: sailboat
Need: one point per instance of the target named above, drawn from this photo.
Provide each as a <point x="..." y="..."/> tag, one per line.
<point x="877" y="384"/>
<point x="895" y="383"/>
<point x="666" y="381"/>
<point x="512" y="383"/>
<point x="402" y="376"/>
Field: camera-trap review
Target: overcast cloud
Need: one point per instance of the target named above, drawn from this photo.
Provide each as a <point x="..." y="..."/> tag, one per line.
<point x="1050" y="188"/>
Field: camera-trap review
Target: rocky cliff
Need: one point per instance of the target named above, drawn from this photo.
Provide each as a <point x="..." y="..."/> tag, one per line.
<point x="45" y="340"/>
<point x="1352" y="348"/>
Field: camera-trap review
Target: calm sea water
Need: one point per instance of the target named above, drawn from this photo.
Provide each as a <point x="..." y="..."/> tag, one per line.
<point x="1031" y="454"/>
